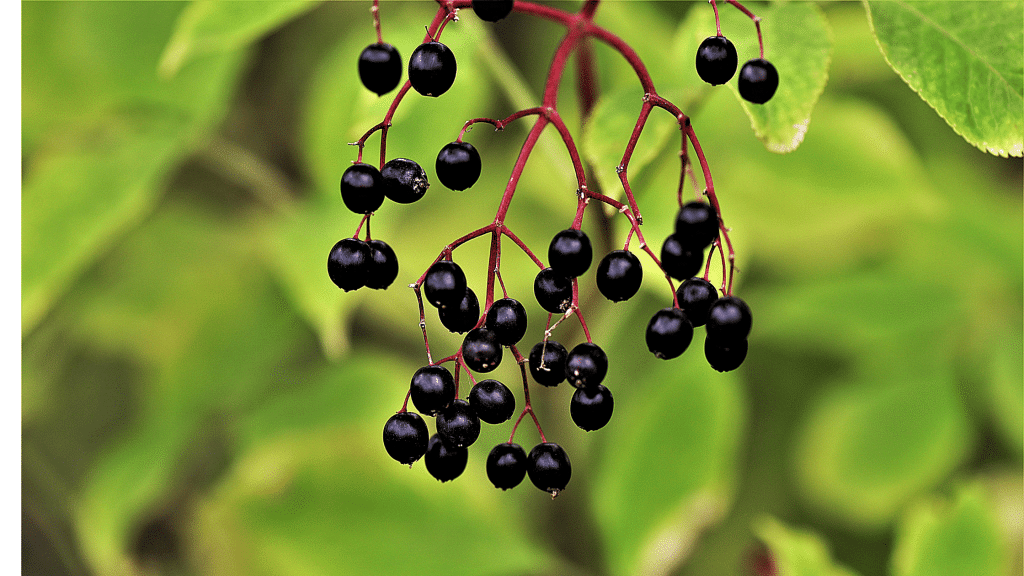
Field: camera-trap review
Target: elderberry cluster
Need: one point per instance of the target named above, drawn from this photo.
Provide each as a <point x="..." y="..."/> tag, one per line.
<point x="716" y="64"/>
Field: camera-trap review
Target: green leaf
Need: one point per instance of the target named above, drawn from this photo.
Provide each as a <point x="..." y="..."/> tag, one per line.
<point x="965" y="60"/>
<point x="945" y="537"/>
<point x="207" y="26"/>
<point x="797" y="552"/>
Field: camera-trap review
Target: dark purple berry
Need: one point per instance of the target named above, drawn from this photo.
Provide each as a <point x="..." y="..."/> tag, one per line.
<point x="462" y="316"/>
<point x="432" y="69"/>
<point x="492" y="10"/>
<point x="349" y="263"/>
<point x="492" y="401"/>
<point x="405" y="437"/>
<point x="716" y="60"/>
<point x="481" y="350"/>
<point x="443" y="461"/>
<point x="444" y="284"/>
<point x="405" y="181"/>
<point x="591" y="407"/>
<point x="729" y="318"/>
<point x="570" y="252"/>
<point x="696" y="295"/>
<point x="458" y="424"/>
<point x="549" y="467"/>
<point x="668" y="333"/>
<point x="758" y="81"/>
<point x="679" y="261"/>
<point x="362" y="188"/>
<point x="547" y="362"/>
<point x="383" y="266"/>
<point x="586" y="365"/>
<point x="696" y="225"/>
<point x="506" y="465"/>
<point x="619" y="275"/>
<point x="724" y="355"/>
<point x="507" y="319"/>
<point x="553" y="291"/>
<point x="380" y="68"/>
<point x="458" y="165"/>
<point x="432" y="389"/>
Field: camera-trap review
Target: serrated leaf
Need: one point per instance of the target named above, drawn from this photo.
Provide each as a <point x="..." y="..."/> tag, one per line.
<point x="796" y="552"/>
<point x="964" y="59"/>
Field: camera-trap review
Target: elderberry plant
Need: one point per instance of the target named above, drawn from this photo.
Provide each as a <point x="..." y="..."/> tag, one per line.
<point x="496" y="321"/>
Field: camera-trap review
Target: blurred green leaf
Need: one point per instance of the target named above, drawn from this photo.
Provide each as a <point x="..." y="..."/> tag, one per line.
<point x="1005" y="392"/>
<point x="940" y="536"/>
<point x="206" y="26"/>
<point x="965" y="60"/>
<point x="797" y="552"/>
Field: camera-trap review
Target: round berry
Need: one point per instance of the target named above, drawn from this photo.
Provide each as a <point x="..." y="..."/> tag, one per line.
<point x="432" y="388"/>
<point x="506" y="465"/>
<point x="669" y="333"/>
<point x="480" y="350"/>
<point x="591" y="407"/>
<point x="758" y="81"/>
<point x="492" y="401"/>
<point x="458" y="165"/>
<point x="405" y="437"/>
<point x="458" y="424"/>
<point x="553" y="291"/>
<point x="349" y="263"/>
<point x="716" y="60"/>
<point x="444" y="284"/>
<point x="362" y="188"/>
<point x="696" y="225"/>
<point x="547" y="362"/>
<point x="432" y="69"/>
<point x="492" y="10"/>
<point x="383" y="265"/>
<point x="570" y="252"/>
<point x="507" y="319"/>
<point x="405" y="181"/>
<point x="679" y="261"/>
<point x="619" y="275"/>
<point x="724" y="355"/>
<point x="463" y="316"/>
<point x="380" y="68"/>
<point x="586" y="365"/>
<point x="549" y="468"/>
<point x="729" y="319"/>
<point x="696" y="295"/>
<point x="444" y="462"/>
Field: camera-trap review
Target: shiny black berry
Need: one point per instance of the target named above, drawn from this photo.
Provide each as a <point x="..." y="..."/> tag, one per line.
<point x="380" y="68"/>
<point x="553" y="290"/>
<point x="481" y="350"/>
<point x="696" y="225"/>
<point x="405" y="181"/>
<point x="619" y="275"/>
<point x="492" y="401"/>
<point x="432" y="388"/>
<point x="444" y="284"/>
<point x="443" y="461"/>
<point x="696" y="295"/>
<point x="507" y="319"/>
<point x="458" y="424"/>
<point x="570" y="253"/>
<point x="362" y="188"/>
<point x="547" y="362"/>
<point x="348" y="263"/>
<point x="458" y="165"/>
<point x="463" y="315"/>
<point x="591" y="407"/>
<point x="729" y="318"/>
<point x="432" y="69"/>
<point x="679" y="261"/>
<point x="724" y="354"/>
<point x="506" y="465"/>
<point x="586" y="365"/>
<point x="405" y="437"/>
<point x="716" y="60"/>
<point x="668" y="333"/>
<point x="383" y="266"/>
<point x="549" y="467"/>
<point x="492" y="10"/>
<point x="758" y="81"/>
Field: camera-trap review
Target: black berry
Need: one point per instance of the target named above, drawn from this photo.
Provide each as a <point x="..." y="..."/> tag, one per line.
<point x="405" y="437"/>
<point x="758" y="81"/>
<point x="553" y="291"/>
<point x="383" y="266"/>
<point x="570" y="252"/>
<point x="405" y="181"/>
<point x="444" y="284"/>
<point x="549" y="468"/>
<point x="445" y="462"/>
<point x="492" y="401"/>
<point x="506" y="465"/>
<point x="507" y="319"/>
<point x="362" y="188"/>
<point x="716" y="60"/>
<point x="461" y="316"/>
<point x="380" y="68"/>
<point x="724" y="354"/>
<point x="458" y="165"/>
<point x="547" y="362"/>
<point x="668" y="333"/>
<point x="480" y="350"/>
<point x="729" y="318"/>
<point x="586" y="365"/>
<point x="348" y="263"/>
<point x="680" y="261"/>
<point x="619" y="275"/>
<point x="696" y="225"/>
<point x="696" y="295"/>
<point x="591" y="407"/>
<point x="458" y="424"/>
<point x="432" y="69"/>
<point x="432" y="389"/>
<point x="492" y="10"/>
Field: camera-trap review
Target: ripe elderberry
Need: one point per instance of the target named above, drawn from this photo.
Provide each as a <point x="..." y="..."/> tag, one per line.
<point x="405" y="437"/>
<point x="461" y="316"/>
<point x="549" y="467"/>
<point x="619" y="275"/>
<point x="405" y="181"/>
<point x="507" y="319"/>
<point x="553" y="291"/>
<point x="696" y="225"/>
<point x="586" y="365"/>
<point x="678" y="260"/>
<point x="383" y="266"/>
<point x="724" y="354"/>
<point x="716" y="60"/>
<point x="348" y="263"/>
<point x="432" y="69"/>
<point x="729" y="318"/>
<point x="758" y="81"/>
<point x="570" y="252"/>
<point x="492" y="10"/>
<point x="432" y="389"/>
<point x="696" y="295"/>
<point x="506" y="465"/>
<point x="458" y="424"/>
<point x="492" y="401"/>
<point x="362" y="188"/>
<point x="591" y="407"/>
<point x="458" y="165"/>
<point x="547" y="362"/>
<point x="443" y="461"/>
<point x="481" y="350"/>
<point x="380" y="68"/>
<point x="668" y="333"/>
<point x="444" y="284"/>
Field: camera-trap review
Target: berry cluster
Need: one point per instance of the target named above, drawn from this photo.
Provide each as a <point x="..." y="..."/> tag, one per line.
<point x="716" y="64"/>
<point x="494" y="324"/>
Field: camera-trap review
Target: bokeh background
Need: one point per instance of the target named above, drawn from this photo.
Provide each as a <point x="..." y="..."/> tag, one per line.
<point x="198" y="398"/>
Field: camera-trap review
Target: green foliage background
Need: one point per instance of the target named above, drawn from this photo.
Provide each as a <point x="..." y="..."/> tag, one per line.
<point x="198" y="398"/>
